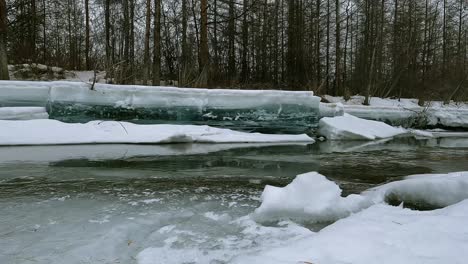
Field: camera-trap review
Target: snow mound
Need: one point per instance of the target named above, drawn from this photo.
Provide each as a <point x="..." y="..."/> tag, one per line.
<point x="309" y="196"/>
<point x="380" y="234"/>
<point x="52" y="132"/>
<point x="314" y="198"/>
<point x="23" y="113"/>
<point x="348" y="127"/>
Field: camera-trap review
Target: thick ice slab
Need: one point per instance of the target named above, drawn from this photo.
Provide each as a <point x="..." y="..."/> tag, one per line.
<point x="248" y="110"/>
<point x="264" y="111"/>
<point x="16" y="93"/>
<point x="53" y="132"/>
<point x="23" y="113"/>
<point x="348" y="127"/>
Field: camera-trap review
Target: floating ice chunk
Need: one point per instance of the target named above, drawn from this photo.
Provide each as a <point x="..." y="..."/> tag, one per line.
<point x="52" y="132"/>
<point x="23" y="113"/>
<point x="314" y="198"/>
<point x="349" y="127"/>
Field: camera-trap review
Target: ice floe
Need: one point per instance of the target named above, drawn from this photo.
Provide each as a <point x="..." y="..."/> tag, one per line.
<point x="348" y="127"/>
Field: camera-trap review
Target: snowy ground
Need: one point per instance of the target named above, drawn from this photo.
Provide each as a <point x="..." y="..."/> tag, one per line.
<point x="404" y="112"/>
<point x="380" y="233"/>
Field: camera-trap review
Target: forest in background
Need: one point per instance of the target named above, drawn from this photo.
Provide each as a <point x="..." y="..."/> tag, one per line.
<point x="399" y="48"/>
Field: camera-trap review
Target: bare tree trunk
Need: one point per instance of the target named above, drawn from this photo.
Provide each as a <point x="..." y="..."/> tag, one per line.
<point x="184" y="74"/>
<point x="327" y="70"/>
<point x="108" y="45"/>
<point x="157" y="43"/>
<point x="318" y="66"/>
<point x="204" y="53"/>
<point x="132" y="43"/>
<point x="3" y="42"/>
<point x="88" y="63"/>
<point x="245" y="43"/>
<point x="337" y="49"/>
<point x="44" y="35"/>
<point x="346" y="94"/>
<point x="231" y="49"/>
<point x="146" y="59"/>
<point x="33" y="30"/>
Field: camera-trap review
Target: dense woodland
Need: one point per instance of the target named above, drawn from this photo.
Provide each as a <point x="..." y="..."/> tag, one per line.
<point x="400" y="48"/>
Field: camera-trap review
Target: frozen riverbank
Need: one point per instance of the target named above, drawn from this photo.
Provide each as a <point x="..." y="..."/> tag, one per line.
<point x="405" y="112"/>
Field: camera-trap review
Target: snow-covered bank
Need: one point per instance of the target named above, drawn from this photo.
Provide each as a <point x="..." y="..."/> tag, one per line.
<point x="23" y="113"/>
<point x="404" y="112"/>
<point x="314" y="198"/>
<point x="380" y="234"/>
<point x="52" y="132"/>
<point x="348" y="127"/>
<point x="376" y="232"/>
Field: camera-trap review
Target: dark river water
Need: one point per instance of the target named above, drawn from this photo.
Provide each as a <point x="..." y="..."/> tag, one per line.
<point x="186" y="203"/>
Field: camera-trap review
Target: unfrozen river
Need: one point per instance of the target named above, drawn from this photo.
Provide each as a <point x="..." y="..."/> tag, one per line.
<point x="180" y="203"/>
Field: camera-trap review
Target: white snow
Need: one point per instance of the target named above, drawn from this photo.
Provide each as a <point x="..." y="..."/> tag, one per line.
<point x="45" y="154"/>
<point x="23" y="113"/>
<point x="52" y="132"/>
<point x="348" y="127"/>
<point x="314" y="198"/>
<point x="380" y="234"/>
<point x="401" y="111"/>
<point x="309" y="196"/>
<point x="376" y="232"/>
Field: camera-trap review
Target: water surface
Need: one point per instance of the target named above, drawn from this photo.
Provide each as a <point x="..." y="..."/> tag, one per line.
<point x="184" y="203"/>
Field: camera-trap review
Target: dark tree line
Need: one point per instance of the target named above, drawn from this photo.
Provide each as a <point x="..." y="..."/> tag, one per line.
<point x="401" y="48"/>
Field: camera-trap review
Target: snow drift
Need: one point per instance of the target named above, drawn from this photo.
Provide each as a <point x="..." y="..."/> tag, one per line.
<point x="314" y="198"/>
<point x="380" y="234"/>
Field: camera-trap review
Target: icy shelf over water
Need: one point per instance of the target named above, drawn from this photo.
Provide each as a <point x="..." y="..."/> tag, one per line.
<point x="267" y="111"/>
<point x="53" y="132"/>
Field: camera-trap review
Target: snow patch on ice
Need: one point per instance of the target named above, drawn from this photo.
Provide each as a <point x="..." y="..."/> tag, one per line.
<point x="52" y="132"/>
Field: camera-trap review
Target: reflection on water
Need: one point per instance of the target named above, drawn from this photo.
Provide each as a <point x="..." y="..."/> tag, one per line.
<point x="105" y="203"/>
